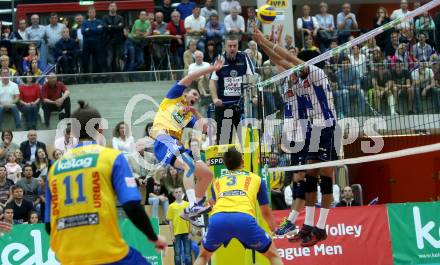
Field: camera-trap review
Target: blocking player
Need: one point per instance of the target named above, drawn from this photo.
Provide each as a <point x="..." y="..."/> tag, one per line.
<point x="175" y="113"/>
<point x="314" y="84"/>
<point x="236" y="193"/>
<point x="81" y="194"/>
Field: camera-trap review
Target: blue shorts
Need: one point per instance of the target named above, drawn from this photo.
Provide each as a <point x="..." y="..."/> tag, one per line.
<point x="326" y="148"/>
<point x="166" y="148"/>
<point x="223" y="227"/>
<point x="133" y="257"/>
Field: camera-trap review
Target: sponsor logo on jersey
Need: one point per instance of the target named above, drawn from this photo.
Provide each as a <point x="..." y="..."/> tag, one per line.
<point x="76" y="163"/>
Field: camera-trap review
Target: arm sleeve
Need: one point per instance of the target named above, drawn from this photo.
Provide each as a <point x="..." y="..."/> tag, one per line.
<point x="123" y="181"/>
<point x="262" y="194"/>
<point x="214" y="197"/>
<point x="299" y="23"/>
<point x="176" y="91"/>
<point x="48" y="203"/>
<point x="137" y="215"/>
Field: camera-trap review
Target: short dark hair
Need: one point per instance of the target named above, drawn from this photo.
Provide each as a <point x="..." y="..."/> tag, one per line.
<point x="91" y="8"/>
<point x="6" y="131"/>
<point x="15" y="187"/>
<point x="83" y="114"/>
<point x="27" y="165"/>
<point x="116" y="132"/>
<point x="53" y="14"/>
<point x="231" y="38"/>
<point x="188" y="89"/>
<point x="8" y="207"/>
<point x="232" y="158"/>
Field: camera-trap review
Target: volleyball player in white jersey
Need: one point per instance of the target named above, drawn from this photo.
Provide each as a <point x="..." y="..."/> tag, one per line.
<point x="315" y="86"/>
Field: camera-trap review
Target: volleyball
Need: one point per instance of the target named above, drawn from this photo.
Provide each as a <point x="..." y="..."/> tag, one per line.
<point x="266" y="14"/>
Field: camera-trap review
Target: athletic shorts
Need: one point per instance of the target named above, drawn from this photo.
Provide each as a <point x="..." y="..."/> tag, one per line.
<point x="223" y="227"/>
<point x="326" y="147"/>
<point x="133" y="257"/>
<point x="300" y="157"/>
<point x="166" y="148"/>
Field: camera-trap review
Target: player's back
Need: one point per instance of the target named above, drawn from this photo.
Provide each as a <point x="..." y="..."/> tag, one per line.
<point x="236" y="191"/>
<point x="84" y="222"/>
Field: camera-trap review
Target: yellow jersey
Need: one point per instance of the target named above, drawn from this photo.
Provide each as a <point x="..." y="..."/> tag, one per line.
<point x="180" y="226"/>
<point x="276" y="180"/>
<point x="172" y="116"/>
<point x="238" y="191"/>
<point x="81" y="196"/>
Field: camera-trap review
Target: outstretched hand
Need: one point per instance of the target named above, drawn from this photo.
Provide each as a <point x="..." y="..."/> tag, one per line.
<point x="257" y="35"/>
<point x="218" y="64"/>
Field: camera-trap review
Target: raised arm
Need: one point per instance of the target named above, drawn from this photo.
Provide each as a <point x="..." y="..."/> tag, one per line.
<point x="187" y="80"/>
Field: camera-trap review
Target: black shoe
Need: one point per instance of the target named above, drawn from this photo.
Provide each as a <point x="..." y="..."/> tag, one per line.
<point x="316" y="236"/>
<point x="305" y="231"/>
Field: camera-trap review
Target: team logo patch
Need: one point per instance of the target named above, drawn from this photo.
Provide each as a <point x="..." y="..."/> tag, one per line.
<point x="130" y="182"/>
<point x="233" y="73"/>
<point x="76" y="163"/>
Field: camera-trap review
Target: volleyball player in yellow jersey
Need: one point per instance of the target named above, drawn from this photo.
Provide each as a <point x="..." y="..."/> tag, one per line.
<point x="175" y="113"/>
<point x="82" y="191"/>
<point x="237" y="194"/>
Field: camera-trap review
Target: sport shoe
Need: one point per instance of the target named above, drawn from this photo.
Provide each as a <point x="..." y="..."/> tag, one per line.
<point x="316" y="236"/>
<point x="285" y="228"/>
<point x="305" y="231"/>
<point x="195" y="211"/>
<point x="197" y="221"/>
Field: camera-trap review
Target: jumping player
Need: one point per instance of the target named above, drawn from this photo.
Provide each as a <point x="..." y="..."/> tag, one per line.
<point x="315" y="86"/>
<point x="81" y="197"/>
<point x="175" y="113"/>
<point x="236" y="193"/>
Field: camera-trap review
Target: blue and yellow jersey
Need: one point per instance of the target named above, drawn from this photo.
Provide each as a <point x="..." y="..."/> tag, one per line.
<point x="276" y="180"/>
<point x="171" y="117"/>
<point x="83" y="188"/>
<point x="238" y="191"/>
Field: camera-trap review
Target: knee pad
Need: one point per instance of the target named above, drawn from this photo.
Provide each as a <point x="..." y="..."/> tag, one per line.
<point x="311" y="183"/>
<point x="301" y="190"/>
<point x="326" y="185"/>
<point x="187" y="159"/>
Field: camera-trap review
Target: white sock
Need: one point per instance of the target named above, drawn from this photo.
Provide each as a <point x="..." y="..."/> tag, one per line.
<point x="310" y="215"/>
<point x="292" y="216"/>
<point x="322" y="218"/>
<point x="191" y="194"/>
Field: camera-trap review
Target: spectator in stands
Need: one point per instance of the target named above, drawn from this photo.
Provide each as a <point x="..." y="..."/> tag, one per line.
<point x="53" y="33"/>
<point x="254" y="54"/>
<point x="37" y="33"/>
<point x="20" y="206"/>
<point x="234" y="23"/>
<point x="422" y="51"/>
<point x="159" y="26"/>
<point x="306" y="25"/>
<point x="251" y="21"/>
<point x="368" y="51"/>
<point x="288" y="42"/>
<point x="173" y="181"/>
<point x="309" y="45"/>
<point x="347" y="198"/>
<point x="215" y="31"/>
<point x="20" y="34"/>
<point x="227" y="6"/>
<point x="208" y="10"/>
<point x="176" y="28"/>
<point x="34" y="70"/>
<point x="8" y="215"/>
<point x="33" y="218"/>
<point x="5" y="188"/>
<point x="32" y="55"/>
<point x="210" y="53"/>
<point x="185" y="8"/>
<point x="188" y="55"/>
<point x="425" y="24"/>
<point x="276" y="185"/>
<point x="166" y="10"/>
<point x="424" y="82"/>
<point x="7" y="146"/>
<point x="77" y="33"/>
<point x="9" y="98"/>
<point x="67" y="21"/>
<point x="139" y="164"/>
<point x="41" y="165"/>
<point x="7" y="34"/>
<point x="157" y="193"/>
<point x="404" y="56"/>
<point x="41" y="200"/>
<point x="202" y="83"/>
<point x="139" y="33"/>
<point x="113" y="37"/>
<point x="67" y="141"/>
<point x="56" y="155"/>
<point x="382" y="19"/>
<point x="401" y="83"/>
<point x="30" y="95"/>
<point x="407" y="37"/>
<point x="195" y="28"/>
<point x="359" y="61"/>
<point x="435" y="66"/>
<point x="29" y="147"/>
<point x="123" y="140"/>
<point x="349" y="85"/>
<point x="180" y="229"/>
<point x="13" y="74"/>
<point x="392" y="45"/>
<point x="92" y="31"/>
<point x="67" y="51"/>
<point x="13" y="168"/>
<point x="55" y="97"/>
<point x="29" y="184"/>
<point x="346" y="23"/>
<point x="400" y="13"/>
<point x="382" y="87"/>
<point x="326" y="27"/>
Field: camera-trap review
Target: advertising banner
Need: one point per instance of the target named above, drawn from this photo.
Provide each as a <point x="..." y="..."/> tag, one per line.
<point x="415" y="232"/>
<point x="355" y="234"/>
<point x="29" y="244"/>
